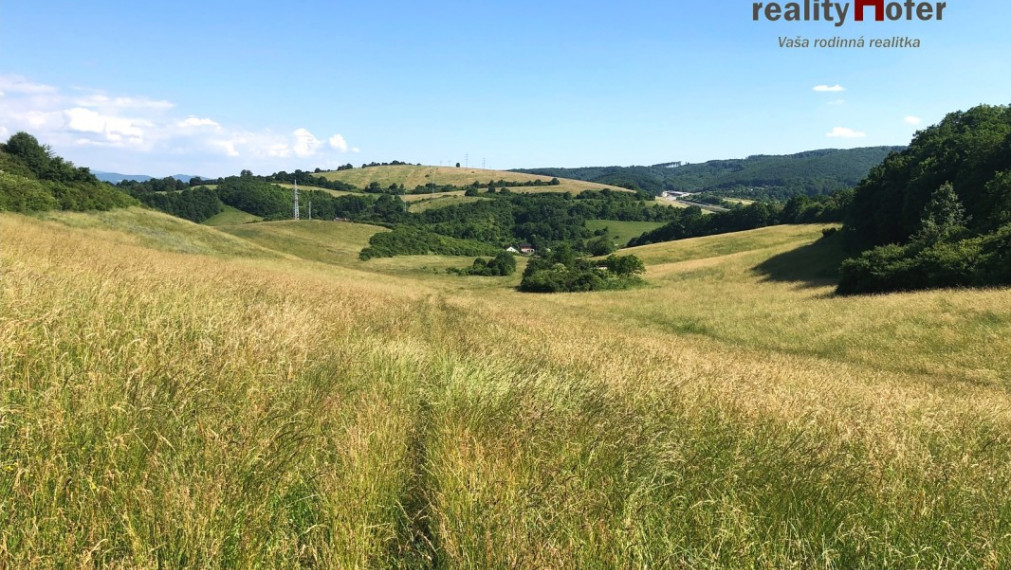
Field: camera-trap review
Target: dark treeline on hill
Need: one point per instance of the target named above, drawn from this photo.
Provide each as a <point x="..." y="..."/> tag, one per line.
<point x="471" y="190"/>
<point x="692" y="222"/>
<point x="542" y="220"/>
<point x="33" y="179"/>
<point x="410" y="240"/>
<point x="760" y="177"/>
<point x="310" y="179"/>
<point x="173" y="196"/>
<point x="260" y="197"/>
<point x="937" y="214"/>
<point x="299" y="176"/>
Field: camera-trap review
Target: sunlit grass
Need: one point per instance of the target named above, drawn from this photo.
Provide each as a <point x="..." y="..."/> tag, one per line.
<point x="622" y="232"/>
<point x="413" y="176"/>
<point x="231" y="216"/>
<point x="162" y="407"/>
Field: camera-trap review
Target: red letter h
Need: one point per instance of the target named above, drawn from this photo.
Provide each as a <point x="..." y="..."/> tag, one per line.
<point x="879" y="9"/>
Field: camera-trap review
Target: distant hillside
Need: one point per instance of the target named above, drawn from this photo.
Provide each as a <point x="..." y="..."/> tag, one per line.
<point x="411" y="177"/>
<point x="778" y="177"/>
<point x="116" y="178"/>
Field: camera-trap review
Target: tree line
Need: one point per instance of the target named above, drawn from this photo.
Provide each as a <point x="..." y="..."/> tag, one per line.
<point x="693" y="222"/>
<point x="759" y="177"/>
<point x="33" y="178"/>
<point x="937" y="214"/>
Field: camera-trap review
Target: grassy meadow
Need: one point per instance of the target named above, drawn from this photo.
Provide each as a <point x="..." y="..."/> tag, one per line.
<point x="231" y="216"/>
<point x="621" y="231"/>
<point x="176" y="396"/>
<point x="413" y="176"/>
<point x="441" y="200"/>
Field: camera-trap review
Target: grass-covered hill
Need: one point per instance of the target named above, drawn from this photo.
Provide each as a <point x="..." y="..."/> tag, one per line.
<point x="411" y="177"/>
<point x="173" y="395"/>
<point x="32" y="179"/>
<point x="779" y="177"/>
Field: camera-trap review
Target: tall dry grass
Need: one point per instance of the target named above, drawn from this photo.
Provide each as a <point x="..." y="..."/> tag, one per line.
<point x="175" y="410"/>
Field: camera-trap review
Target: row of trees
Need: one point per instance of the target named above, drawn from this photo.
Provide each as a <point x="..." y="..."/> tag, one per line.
<point x="693" y="222"/>
<point x="407" y="240"/>
<point x="760" y="177"/>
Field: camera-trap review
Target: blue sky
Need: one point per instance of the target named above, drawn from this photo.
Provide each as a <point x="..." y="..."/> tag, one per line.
<point x="215" y="86"/>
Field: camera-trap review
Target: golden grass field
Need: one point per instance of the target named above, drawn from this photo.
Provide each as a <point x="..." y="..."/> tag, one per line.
<point x="414" y="176"/>
<point x="177" y="396"/>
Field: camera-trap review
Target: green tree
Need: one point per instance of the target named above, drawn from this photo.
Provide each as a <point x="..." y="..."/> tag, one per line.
<point x="943" y="217"/>
<point x="625" y="265"/>
<point x="601" y="246"/>
<point x="35" y="156"/>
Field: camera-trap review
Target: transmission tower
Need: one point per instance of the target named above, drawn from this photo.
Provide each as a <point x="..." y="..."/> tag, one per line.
<point x="295" y="196"/>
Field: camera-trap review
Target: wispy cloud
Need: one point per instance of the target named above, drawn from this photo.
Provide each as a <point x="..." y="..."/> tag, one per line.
<point x="20" y="85"/>
<point x="845" y="133"/>
<point x="148" y="129"/>
<point x="911" y="120"/>
<point x="193" y="122"/>
<point x="337" y="142"/>
<point x="829" y="89"/>
<point x="837" y="102"/>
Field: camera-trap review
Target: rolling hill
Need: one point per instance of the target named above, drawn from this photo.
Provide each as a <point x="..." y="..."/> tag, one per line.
<point x="176" y="395"/>
<point x="761" y="176"/>
<point x="413" y="176"/>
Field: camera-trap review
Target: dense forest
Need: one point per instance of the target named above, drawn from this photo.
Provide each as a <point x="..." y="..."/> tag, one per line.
<point x="760" y="177"/>
<point x="33" y="179"/>
<point x="937" y="214"/>
<point x="173" y="196"/>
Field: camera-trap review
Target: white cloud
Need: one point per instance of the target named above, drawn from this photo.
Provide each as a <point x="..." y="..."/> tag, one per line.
<point x="228" y="147"/>
<point x="83" y="124"/>
<point x="911" y="120"/>
<point x="829" y="89"/>
<point x="37" y="119"/>
<point x="845" y="133"/>
<point x="192" y="122"/>
<point x="84" y="121"/>
<point x="306" y="143"/>
<point x="99" y="100"/>
<point x="114" y="131"/>
<point x="337" y="142"/>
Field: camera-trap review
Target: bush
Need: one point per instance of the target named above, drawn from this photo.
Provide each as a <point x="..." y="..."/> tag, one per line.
<point x="973" y="262"/>
<point x="406" y="240"/>
<point x="563" y="271"/>
<point x="502" y="265"/>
